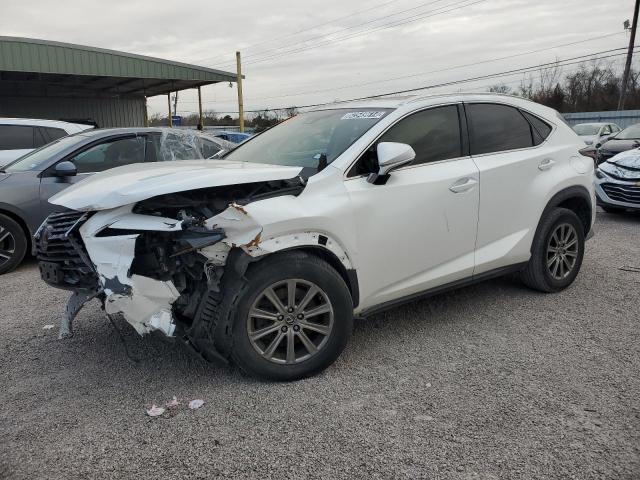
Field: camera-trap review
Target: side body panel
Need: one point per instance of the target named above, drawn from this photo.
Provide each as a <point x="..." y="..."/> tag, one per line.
<point x="515" y="187"/>
<point x="414" y="233"/>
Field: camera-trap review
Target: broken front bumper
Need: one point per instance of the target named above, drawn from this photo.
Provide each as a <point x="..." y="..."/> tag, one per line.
<point x="62" y="258"/>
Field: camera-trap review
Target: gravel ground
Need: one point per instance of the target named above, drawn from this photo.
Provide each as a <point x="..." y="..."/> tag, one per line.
<point x="492" y="381"/>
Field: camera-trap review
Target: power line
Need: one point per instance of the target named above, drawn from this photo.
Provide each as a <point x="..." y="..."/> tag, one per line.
<point x="396" y="23"/>
<point x="558" y="63"/>
<point x="402" y="77"/>
<point x="292" y="34"/>
<point x="344" y="29"/>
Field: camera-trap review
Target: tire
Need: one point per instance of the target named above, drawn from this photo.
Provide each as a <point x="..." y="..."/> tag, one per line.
<point x="539" y="274"/>
<point x="13" y="244"/>
<point x="613" y="210"/>
<point x="278" y="272"/>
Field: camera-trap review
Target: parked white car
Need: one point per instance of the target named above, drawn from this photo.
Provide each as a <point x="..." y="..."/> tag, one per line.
<point x="264" y="257"/>
<point x="18" y="136"/>
<point x="595" y="133"/>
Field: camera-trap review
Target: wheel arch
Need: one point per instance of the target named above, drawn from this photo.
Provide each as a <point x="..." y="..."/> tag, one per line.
<point x="343" y="267"/>
<point x="575" y="198"/>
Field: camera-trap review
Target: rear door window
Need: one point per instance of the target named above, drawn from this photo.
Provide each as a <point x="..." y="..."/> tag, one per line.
<point x="497" y="128"/>
<point x="16" y="137"/>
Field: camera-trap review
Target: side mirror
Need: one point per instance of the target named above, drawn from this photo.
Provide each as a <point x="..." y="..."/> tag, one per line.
<point x="391" y="155"/>
<point x="65" y="169"/>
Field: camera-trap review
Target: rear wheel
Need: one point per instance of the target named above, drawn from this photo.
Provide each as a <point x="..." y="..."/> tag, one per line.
<point x="13" y="244"/>
<point x="293" y="319"/>
<point x="556" y="253"/>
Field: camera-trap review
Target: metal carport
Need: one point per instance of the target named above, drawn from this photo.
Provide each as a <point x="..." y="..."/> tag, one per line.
<point x="54" y="80"/>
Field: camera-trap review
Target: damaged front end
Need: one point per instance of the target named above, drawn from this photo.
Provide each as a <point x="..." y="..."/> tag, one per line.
<point x="166" y="263"/>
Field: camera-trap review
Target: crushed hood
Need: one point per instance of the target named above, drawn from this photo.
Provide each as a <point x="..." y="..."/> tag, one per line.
<point x="133" y="183"/>
<point x="625" y="165"/>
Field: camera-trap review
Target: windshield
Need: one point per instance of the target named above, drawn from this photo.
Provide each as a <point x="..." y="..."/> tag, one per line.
<point x="36" y="159"/>
<point x="630" y="133"/>
<point x="313" y="139"/>
<point x="587" y="129"/>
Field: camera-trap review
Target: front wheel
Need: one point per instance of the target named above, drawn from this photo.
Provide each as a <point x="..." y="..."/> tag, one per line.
<point x="294" y="318"/>
<point x="13" y="244"/>
<point x="556" y="253"/>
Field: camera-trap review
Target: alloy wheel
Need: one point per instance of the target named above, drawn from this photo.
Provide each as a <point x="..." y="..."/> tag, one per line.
<point x="290" y="321"/>
<point x="7" y="245"/>
<point x="562" y="251"/>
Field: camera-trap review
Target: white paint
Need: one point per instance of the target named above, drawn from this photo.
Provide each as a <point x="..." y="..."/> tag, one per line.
<point x="414" y="233"/>
<point x="132" y="183"/>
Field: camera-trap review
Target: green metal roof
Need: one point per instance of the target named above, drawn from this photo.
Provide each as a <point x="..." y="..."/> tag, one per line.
<point x="98" y="70"/>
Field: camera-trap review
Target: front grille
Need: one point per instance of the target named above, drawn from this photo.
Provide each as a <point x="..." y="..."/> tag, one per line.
<point x="63" y="260"/>
<point x="622" y="193"/>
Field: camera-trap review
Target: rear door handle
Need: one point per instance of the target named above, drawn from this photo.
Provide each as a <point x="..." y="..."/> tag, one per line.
<point x="546" y="164"/>
<point x="463" y="185"/>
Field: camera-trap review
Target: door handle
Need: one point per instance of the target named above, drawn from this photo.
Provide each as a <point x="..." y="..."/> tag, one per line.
<point x="546" y="164"/>
<point x="463" y="185"/>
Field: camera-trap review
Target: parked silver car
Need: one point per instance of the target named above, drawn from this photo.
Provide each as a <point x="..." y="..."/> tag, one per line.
<point x="595" y="133"/>
<point x="27" y="184"/>
<point x="19" y="136"/>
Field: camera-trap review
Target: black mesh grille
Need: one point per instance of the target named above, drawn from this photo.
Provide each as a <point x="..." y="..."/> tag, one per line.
<point x="622" y="193"/>
<point x="63" y="260"/>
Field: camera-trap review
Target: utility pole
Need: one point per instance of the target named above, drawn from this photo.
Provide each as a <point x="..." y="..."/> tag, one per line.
<point x="240" y="101"/>
<point x="627" y="67"/>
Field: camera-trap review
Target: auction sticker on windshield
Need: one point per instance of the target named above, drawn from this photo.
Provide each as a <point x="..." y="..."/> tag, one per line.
<point x="362" y="115"/>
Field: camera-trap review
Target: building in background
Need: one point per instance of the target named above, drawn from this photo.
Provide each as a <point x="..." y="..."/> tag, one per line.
<point x="63" y="81"/>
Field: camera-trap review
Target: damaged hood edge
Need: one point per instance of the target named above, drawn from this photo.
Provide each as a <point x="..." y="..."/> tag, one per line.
<point x="133" y="183"/>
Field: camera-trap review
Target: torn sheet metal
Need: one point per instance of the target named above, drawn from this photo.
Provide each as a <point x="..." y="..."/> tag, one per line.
<point x="134" y="221"/>
<point x="147" y="306"/>
<point x="240" y="228"/>
<point x="144" y="302"/>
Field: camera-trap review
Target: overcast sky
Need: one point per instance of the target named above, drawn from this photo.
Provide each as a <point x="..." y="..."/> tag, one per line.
<point x="305" y="52"/>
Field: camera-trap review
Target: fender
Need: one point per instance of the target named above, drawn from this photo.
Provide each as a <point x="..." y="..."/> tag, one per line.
<point x="568" y="194"/>
<point x="315" y="243"/>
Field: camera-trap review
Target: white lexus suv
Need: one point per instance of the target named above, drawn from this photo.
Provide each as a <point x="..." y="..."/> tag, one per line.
<point x="264" y="257"/>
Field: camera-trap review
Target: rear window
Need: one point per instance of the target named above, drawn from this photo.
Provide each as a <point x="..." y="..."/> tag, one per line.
<point x="16" y="137"/>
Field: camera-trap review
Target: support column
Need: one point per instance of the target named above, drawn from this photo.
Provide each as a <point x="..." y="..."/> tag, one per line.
<point x="201" y="122"/>
<point x="146" y="113"/>
<point x="240" y="101"/>
<point x="169" y="105"/>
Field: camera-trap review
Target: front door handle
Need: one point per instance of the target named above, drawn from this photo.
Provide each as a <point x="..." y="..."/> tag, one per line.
<point x="546" y="164"/>
<point x="463" y="185"/>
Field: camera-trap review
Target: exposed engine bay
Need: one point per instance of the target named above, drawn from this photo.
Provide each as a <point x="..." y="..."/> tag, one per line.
<point x="164" y="262"/>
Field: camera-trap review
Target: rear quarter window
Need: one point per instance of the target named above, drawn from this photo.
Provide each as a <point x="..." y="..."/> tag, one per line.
<point x="540" y="129"/>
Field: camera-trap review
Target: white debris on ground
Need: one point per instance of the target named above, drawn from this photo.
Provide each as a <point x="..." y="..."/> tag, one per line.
<point x="172" y="408"/>
<point x="195" y="404"/>
<point x="48" y="327"/>
<point x="155" y="411"/>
